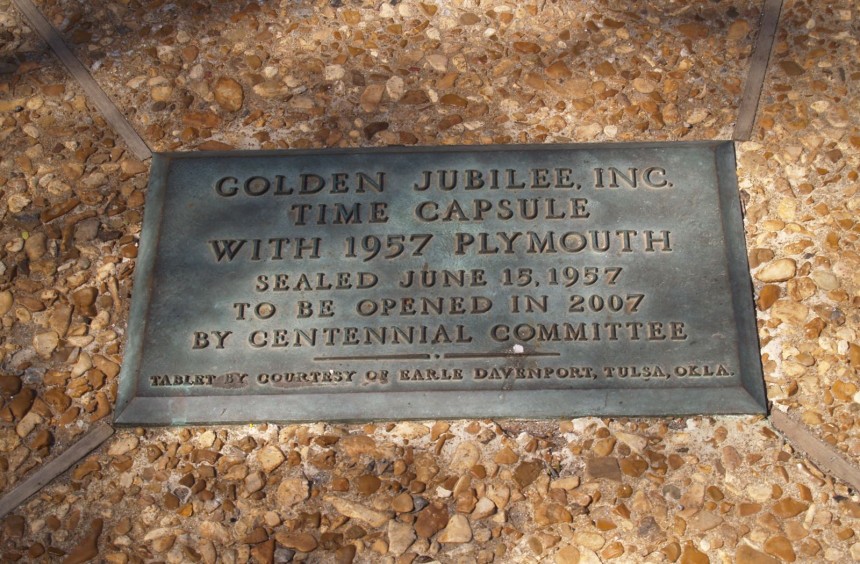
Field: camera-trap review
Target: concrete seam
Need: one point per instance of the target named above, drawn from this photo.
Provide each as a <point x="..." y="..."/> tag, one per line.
<point x="760" y="59"/>
<point x="50" y="470"/>
<point x="108" y="109"/>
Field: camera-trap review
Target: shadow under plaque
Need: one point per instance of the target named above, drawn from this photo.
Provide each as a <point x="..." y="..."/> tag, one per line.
<point x="445" y="282"/>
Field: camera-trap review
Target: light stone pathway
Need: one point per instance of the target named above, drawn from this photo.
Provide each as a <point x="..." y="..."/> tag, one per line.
<point x="313" y="74"/>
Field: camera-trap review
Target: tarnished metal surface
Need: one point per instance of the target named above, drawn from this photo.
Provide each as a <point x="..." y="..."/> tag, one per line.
<point x="515" y="281"/>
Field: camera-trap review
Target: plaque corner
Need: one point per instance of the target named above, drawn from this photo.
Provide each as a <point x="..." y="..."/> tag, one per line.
<point x="756" y="397"/>
<point x="121" y="416"/>
<point x="126" y="397"/>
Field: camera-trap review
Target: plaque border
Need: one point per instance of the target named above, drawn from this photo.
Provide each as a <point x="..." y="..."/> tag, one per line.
<point x="748" y="398"/>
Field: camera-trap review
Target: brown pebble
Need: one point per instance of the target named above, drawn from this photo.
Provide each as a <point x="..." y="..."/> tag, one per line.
<point x="550" y="514"/>
<point x="36" y="550"/>
<point x="257" y="535"/>
<point x="85" y="297"/>
<point x="133" y="167"/>
<point x="692" y="555"/>
<point x="53" y="89"/>
<point x="527" y="472"/>
<point x="791" y="68"/>
<point x="450" y="121"/>
<point x="371" y="97"/>
<point x="505" y="456"/>
<point x="14" y="526"/>
<point x="780" y="547"/>
<point x="367" y="484"/>
<point x="129" y="251"/>
<point x="415" y="97"/>
<point x="454" y="100"/>
<point x="264" y="552"/>
<point x="171" y="501"/>
<point x="345" y="554"/>
<point x="527" y="47"/>
<point x="69" y="416"/>
<point x="746" y="554"/>
<point x="35" y="246"/>
<point x="303" y="542"/>
<point x="339" y="484"/>
<point x="603" y="467"/>
<point x="270" y="457"/>
<point x="9" y="384"/>
<point x="402" y="503"/>
<point x="612" y="550"/>
<point x="205" y="119"/>
<point x="605" y="69"/>
<point x="229" y="94"/>
<point x="88" y="547"/>
<point x="768" y="295"/>
<point x="85" y="469"/>
<point x="431" y="520"/>
<point x="694" y="30"/>
<point x="558" y="70"/>
<point x="788" y="507"/>
<point x="634" y="465"/>
<point x="644" y="85"/>
<point x="603" y="447"/>
<point x="372" y="129"/>
<point x="21" y="403"/>
<point x="567" y="555"/>
<point x="58" y="210"/>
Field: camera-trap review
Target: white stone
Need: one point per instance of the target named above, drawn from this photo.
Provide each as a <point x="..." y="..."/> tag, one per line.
<point x="588" y="131"/>
<point x="587" y="556"/>
<point x="334" y="72"/>
<point x="6" y="300"/>
<point x="566" y="483"/>
<point x="484" y="508"/>
<point x="778" y="270"/>
<point x="589" y="540"/>
<point x="270" y="457"/>
<point x="635" y="442"/>
<point x="697" y="116"/>
<point x="400" y="537"/>
<point x="31" y="130"/>
<point x="83" y="364"/>
<point x="465" y="457"/>
<point x="759" y="492"/>
<point x="46" y="343"/>
<point x="206" y="439"/>
<point x="292" y="491"/>
<point x="28" y="423"/>
<point x="395" y="86"/>
<point x="824" y="279"/>
<point x="158" y="533"/>
<point x="410" y="430"/>
<point x="358" y="511"/>
<point x="438" y="62"/>
<point x="16" y="203"/>
<point x="215" y="532"/>
<point x="457" y="531"/>
<point x="123" y="445"/>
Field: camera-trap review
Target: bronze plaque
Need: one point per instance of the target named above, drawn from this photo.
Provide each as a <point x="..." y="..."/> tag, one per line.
<point x="422" y="283"/>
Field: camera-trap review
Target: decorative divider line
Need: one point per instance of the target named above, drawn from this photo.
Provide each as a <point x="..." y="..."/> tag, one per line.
<point x="824" y="455"/>
<point x="50" y="470"/>
<point x="111" y="113"/>
<point x="758" y="69"/>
